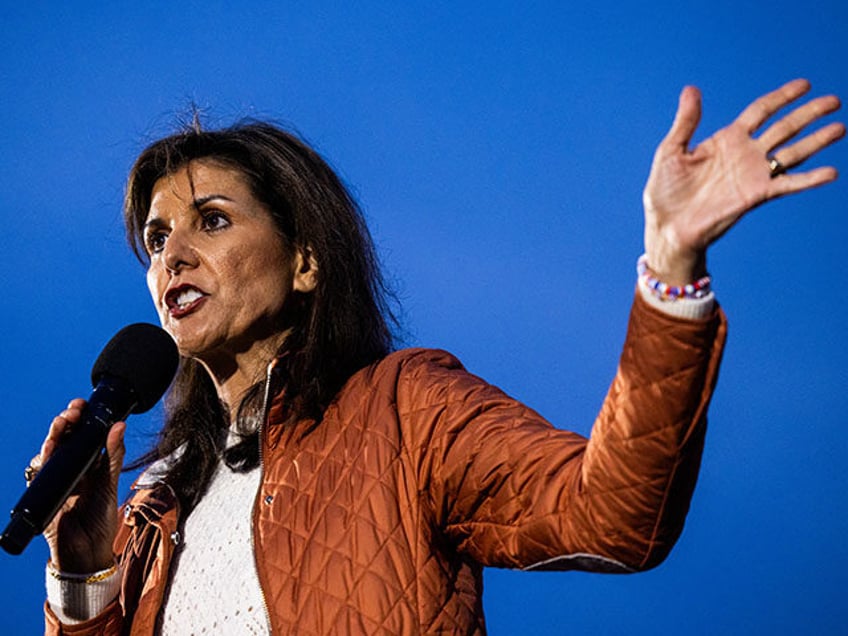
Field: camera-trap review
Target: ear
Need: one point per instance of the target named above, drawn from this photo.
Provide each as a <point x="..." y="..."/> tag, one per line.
<point x="305" y="271"/>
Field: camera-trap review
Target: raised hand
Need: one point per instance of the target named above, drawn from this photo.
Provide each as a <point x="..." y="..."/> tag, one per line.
<point x="80" y="536"/>
<point x="693" y="197"/>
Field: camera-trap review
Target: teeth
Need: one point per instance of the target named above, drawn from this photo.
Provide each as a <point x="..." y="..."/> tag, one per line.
<point x="187" y="297"/>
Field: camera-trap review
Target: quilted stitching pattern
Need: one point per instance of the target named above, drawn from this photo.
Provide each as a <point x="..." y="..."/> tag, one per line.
<point x="348" y="528"/>
<point x="379" y="519"/>
<point x="421" y="471"/>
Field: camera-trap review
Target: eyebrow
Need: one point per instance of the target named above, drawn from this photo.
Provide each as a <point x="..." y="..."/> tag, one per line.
<point x="209" y="197"/>
<point x="155" y="222"/>
<point x="198" y="203"/>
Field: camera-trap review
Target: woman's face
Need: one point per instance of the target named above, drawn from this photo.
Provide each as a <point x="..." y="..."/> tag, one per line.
<point x="219" y="272"/>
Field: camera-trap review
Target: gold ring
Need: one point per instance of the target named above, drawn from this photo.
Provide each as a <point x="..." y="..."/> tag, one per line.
<point x="29" y="473"/>
<point x="775" y="167"/>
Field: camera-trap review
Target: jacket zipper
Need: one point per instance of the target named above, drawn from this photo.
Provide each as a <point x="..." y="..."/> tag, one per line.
<point x="256" y="499"/>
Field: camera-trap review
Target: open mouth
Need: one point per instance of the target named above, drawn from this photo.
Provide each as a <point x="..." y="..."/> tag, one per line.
<point x="184" y="299"/>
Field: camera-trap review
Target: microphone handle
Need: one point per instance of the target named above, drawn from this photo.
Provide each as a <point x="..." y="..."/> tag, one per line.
<point x="111" y="401"/>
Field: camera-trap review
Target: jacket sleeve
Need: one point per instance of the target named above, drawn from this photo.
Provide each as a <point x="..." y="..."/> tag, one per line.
<point x="144" y="548"/>
<point x="107" y="623"/>
<point x="510" y="490"/>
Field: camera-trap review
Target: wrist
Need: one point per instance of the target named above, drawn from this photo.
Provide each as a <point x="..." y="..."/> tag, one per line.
<point x="95" y="576"/>
<point x="75" y="598"/>
<point x="676" y="268"/>
<point x="82" y="563"/>
<point x="694" y="290"/>
<point x="669" y="259"/>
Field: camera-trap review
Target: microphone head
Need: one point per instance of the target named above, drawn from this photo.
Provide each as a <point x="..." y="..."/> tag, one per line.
<point x="142" y="355"/>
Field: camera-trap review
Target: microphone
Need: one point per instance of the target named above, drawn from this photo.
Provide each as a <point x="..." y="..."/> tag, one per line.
<point x="130" y="375"/>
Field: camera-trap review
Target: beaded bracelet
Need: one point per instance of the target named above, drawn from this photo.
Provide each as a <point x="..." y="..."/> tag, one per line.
<point x="664" y="291"/>
<point x="96" y="577"/>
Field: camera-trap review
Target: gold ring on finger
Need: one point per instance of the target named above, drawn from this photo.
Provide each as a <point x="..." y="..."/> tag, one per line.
<point x="775" y="167"/>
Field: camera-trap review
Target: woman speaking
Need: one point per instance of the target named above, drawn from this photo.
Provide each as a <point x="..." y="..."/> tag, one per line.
<point x="309" y="479"/>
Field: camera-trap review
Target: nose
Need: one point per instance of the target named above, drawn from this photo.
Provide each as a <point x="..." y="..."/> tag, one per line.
<point x="178" y="252"/>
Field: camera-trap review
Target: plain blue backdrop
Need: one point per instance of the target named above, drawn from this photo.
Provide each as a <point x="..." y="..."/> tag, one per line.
<point x="499" y="151"/>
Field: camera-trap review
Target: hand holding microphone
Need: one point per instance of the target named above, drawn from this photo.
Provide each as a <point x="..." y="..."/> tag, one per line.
<point x="81" y="533"/>
<point x="72" y="476"/>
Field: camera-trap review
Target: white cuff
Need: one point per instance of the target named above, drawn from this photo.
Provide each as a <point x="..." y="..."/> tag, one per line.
<point x="75" y="598"/>
<point x="691" y="308"/>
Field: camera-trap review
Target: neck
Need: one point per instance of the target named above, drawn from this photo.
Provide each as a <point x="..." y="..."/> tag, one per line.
<point x="233" y="376"/>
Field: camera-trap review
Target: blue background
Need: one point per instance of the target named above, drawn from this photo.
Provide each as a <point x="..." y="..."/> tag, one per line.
<point x="499" y="151"/>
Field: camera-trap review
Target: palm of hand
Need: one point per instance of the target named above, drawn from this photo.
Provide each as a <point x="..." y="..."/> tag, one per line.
<point x="81" y="534"/>
<point x="87" y="523"/>
<point x="692" y="198"/>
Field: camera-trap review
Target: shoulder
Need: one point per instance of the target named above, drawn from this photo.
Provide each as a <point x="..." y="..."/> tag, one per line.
<point x="397" y="376"/>
<point x="415" y="360"/>
<point x="412" y="379"/>
<point x="405" y="366"/>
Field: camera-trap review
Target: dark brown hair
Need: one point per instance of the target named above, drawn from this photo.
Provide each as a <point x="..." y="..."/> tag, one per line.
<point x="343" y="325"/>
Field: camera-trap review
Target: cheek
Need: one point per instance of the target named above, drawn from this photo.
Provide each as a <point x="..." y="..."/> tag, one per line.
<point x="252" y="266"/>
<point x="262" y="281"/>
<point x="153" y="286"/>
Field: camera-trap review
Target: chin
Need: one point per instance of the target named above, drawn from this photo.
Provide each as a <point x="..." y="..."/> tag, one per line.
<point x="193" y="345"/>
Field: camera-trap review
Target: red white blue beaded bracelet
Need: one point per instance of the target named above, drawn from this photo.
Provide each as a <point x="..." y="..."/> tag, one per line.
<point x="664" y="291"/>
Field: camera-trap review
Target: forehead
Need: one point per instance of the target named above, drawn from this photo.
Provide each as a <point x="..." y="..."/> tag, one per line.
<point x="199" y="180"/>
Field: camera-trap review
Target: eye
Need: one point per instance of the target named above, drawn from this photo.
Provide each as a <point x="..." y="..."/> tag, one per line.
<point x="214" y="220"/>
<point x="154" y="241"/>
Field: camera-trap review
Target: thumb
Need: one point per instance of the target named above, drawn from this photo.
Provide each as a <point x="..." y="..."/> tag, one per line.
<point x="115" y="450"/>
<point x="686" y="119"/>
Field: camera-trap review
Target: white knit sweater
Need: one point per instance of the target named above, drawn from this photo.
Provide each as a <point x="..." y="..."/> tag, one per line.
<point x="214" y="588"/>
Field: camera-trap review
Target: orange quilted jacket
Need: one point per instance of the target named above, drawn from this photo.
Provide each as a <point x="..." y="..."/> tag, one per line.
<point x="380" y="519"/>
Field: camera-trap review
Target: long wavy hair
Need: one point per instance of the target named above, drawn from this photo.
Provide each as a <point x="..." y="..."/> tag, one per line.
<point x="344" y="324"/>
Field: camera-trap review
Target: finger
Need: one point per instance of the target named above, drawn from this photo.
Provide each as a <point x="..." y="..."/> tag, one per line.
<point x="60" y="425"/>
<point x="806" y="147"/>
<point x="787" y="127"/>
<point x="115" y="449"/>
<point x="796" y="182"/>
<point x="686" y="119"/>
<point x="758" y="111"/>
<point x="32" y="469"/>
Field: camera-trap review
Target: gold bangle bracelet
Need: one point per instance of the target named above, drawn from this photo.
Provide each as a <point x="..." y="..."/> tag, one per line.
<point x="96" y="577"/>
